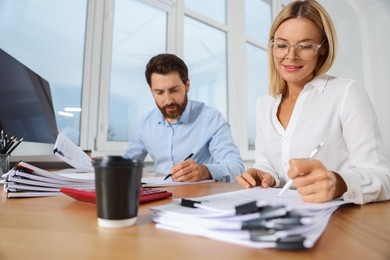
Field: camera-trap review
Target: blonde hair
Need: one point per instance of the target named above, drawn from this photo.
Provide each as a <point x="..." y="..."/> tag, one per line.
<point x="313" y="11"/>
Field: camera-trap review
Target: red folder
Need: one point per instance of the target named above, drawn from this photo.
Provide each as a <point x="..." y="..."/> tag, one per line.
<point x="146" y="194"/>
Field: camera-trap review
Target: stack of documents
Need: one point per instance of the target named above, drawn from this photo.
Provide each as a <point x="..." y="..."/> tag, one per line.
<point x="254" y="217"/>
<point x="26" y="180"/>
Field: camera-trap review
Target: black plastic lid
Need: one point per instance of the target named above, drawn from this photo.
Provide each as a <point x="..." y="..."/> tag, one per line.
<point x="114" y="160"/>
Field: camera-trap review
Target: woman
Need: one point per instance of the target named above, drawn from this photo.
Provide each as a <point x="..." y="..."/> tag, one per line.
<point x="306" y="107"/>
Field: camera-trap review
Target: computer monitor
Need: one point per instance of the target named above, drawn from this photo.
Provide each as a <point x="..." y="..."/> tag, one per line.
<point x="26" y="107"/>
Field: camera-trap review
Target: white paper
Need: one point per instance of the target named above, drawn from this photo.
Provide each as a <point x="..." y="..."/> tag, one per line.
<point x="73" y="155"/>
<point x="31" y="194"/>
<point x="159" y="182"/>
<point x="26" y="181"/>
<point x="65" y="177"/>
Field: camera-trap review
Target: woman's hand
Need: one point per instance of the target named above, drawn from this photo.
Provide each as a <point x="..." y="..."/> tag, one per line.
<point x="253" y="177"/>
<point x="314" y="182"/>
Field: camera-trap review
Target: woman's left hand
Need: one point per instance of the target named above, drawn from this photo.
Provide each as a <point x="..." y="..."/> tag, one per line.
<point x="255" y="177"/>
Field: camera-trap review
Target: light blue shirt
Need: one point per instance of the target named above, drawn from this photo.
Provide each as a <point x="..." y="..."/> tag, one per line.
<point x="201" y="130"/>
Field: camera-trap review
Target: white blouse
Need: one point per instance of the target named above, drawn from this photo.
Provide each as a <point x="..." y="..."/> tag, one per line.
<point x="337" y="112"/>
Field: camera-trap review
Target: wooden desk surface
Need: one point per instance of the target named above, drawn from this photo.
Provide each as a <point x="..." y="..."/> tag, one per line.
<point x="62" y="228"/>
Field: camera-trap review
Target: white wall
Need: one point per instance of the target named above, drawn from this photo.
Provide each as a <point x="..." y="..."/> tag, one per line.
<point x="364" y="52"/>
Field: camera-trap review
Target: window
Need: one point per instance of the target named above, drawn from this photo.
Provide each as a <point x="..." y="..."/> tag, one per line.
<point x="257" y="23"/>
<point x="205" y="55"/>
<point x="257" y="86"/>
<point x="139" y="33"/>
<point x="258" y="19"/>
<point x="215" y="9"/>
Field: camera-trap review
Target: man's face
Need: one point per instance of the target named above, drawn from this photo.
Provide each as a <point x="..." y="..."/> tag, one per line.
<point x="170" y="94"/>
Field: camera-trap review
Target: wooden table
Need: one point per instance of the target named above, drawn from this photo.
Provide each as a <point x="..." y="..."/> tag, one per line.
<point x="62" y="228"/>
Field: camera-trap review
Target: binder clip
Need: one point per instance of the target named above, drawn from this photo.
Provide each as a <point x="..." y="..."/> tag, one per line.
<point x="291" y="243"/>
<point x="189" y="203"/>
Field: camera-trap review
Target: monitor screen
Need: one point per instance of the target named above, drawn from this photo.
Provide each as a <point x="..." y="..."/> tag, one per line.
<point x="26" y="108"/>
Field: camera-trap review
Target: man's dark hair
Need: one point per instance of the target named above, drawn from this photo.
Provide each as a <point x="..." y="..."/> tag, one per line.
<point x="165" y="63"/>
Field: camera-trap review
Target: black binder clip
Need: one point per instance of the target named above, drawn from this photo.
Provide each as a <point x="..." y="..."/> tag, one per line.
<point x="189" y="203"/>
<point x="269" y="212"/>
<point x="246" y="208"/>
<point x="22" y="169"/>
<point x="254" y="224"/>
<point x="58" y="151"/>
<point x="291" y="243"/>
<point x="263" y="235"/>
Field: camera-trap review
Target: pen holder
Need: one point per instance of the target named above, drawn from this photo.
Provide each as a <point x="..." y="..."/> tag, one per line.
<point x="4" y="163"/>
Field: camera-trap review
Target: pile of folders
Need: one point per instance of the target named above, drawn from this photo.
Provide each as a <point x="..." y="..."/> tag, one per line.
<point x="26" y="180"/>
<point x="254" y="217"/>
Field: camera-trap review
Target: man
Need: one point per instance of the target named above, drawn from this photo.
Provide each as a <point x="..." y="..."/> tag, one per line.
<point x="179" y="127"/>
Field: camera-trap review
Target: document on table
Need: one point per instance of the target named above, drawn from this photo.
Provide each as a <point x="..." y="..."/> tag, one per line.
<point x="72" y="154"/>
<point x="160" y="182"/>
<point x="251" y="217"/>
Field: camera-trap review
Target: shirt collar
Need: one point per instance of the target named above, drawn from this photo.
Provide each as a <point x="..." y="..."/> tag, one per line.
<point x="183" y="119"/>
<point x="319" y="83"/>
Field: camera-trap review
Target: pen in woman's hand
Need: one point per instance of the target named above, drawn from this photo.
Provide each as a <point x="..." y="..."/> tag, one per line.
<point x="312" y="155"/>
<point x="188" y="157"/>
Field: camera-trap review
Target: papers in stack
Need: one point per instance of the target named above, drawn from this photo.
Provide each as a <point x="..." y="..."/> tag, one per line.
<point x="153" y="182"/>
<point x="26" y="180"/>
<point x="254" y="217"/>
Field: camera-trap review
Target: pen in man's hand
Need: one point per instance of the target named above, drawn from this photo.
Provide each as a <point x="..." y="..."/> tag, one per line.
<point x="312" y="155"/>
<point x="188" y="157"/>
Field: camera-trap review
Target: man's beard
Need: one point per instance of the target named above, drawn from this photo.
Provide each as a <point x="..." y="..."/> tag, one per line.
<point x="179" y="109"/>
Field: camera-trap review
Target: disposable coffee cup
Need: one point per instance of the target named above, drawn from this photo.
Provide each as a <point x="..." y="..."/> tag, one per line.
<point x="117" y="182"/>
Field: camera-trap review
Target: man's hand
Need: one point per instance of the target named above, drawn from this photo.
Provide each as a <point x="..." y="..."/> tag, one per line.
<point x="190" y="171"/>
